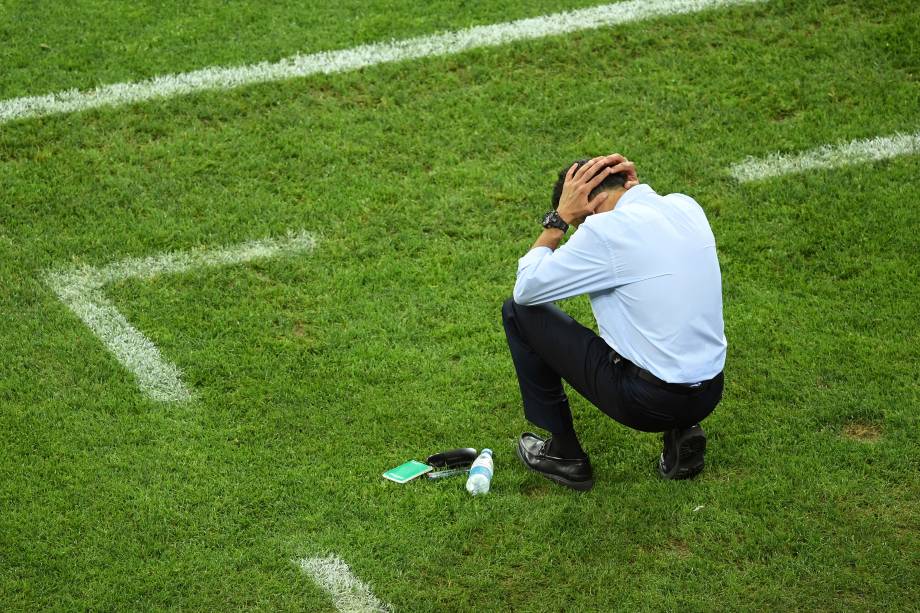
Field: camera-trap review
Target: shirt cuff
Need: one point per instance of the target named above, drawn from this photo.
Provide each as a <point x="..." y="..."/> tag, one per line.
<point x="532" y="257"/>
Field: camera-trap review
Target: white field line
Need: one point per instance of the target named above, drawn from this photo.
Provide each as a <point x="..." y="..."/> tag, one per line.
<point x="327" y="62"/>
<point x="80" y="288"/>
<point x="827" y="156"/>
<point x="350" y="594"/>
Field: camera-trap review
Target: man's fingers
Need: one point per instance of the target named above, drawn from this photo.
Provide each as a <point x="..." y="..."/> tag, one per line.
<point x="586" y="169"/>
<point x="568" y="175"/>
<point x="629" y="168"/>
<point x="582" y="170"/>
<point x="599" y="177"/>
<point x="593" y="172"/>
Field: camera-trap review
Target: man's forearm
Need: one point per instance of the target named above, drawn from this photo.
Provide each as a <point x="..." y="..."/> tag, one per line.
<point x="550" y="237"/>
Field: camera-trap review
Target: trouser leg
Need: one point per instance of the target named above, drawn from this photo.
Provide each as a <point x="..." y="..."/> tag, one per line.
<point x="546" y="346"/>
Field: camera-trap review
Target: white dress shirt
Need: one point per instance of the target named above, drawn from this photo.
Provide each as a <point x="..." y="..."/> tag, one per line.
<point x="650" y="269"/>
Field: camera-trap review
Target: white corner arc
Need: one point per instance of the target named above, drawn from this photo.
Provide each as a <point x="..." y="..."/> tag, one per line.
<point x="80" y="289"/>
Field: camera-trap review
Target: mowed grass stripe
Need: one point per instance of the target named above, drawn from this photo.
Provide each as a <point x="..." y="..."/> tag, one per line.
<point x="827" y="156"/>
<point x="327" y="62"/>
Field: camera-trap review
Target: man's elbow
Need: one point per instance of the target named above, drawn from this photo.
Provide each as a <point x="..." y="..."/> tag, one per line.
<point x="522" y="294"/>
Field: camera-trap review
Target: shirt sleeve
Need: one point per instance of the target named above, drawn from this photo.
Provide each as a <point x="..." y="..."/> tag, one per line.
<point x="582" y="265"/>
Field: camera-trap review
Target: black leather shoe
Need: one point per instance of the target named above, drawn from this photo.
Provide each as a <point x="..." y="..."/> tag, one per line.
<point x="683" y="453"/>
<point x="573" y="473"/>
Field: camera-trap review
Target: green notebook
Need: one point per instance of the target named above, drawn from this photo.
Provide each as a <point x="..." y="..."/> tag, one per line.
<point x="406" y="472"/>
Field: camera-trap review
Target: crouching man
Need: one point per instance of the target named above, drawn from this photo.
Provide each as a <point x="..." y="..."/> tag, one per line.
<point x="648" y="265"/>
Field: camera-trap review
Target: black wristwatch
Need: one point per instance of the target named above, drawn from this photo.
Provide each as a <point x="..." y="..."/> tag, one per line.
<point x="552" y="220"/>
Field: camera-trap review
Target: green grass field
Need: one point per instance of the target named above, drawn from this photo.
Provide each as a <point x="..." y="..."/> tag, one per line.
<point x="423" y="181"/>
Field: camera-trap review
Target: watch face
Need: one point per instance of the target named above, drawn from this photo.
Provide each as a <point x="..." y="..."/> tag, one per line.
<point x="552" y="220"/>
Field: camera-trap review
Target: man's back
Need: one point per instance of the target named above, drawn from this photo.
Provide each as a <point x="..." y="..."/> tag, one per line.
<point x="651" y="271"/>
<point x="664" y="309"/>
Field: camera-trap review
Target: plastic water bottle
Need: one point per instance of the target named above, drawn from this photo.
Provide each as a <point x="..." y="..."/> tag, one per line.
<point x="480" y="474"/>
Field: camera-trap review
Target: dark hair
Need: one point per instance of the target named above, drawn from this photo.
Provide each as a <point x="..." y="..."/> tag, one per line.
<point x="615" y="180"/>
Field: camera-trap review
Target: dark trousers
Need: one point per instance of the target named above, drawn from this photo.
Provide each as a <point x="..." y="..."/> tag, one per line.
<point x="547" y="346"/>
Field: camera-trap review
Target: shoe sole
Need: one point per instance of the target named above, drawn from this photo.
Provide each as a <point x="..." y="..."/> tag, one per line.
<point x="690" y="459"/>
<point x="581" y="486"/>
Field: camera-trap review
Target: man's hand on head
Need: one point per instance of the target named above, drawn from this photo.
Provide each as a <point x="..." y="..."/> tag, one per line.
<point x="574" y="205"/>
<point x="619" y="163"/>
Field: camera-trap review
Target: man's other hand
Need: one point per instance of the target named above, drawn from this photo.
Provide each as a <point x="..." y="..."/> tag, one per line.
<point x="574" y="206"/>
<point x="618" y="163"/>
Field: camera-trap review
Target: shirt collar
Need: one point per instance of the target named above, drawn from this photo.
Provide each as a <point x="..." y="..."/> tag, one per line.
<point x="635" y="193"/>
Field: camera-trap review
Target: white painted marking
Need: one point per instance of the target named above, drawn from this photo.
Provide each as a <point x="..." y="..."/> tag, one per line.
<point x="80" y="288"/>
<point x="350" y="594"/>
<point x="328" y="62"/>
<point x="827" y="156"/>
